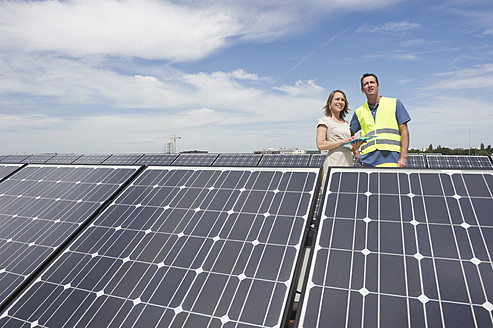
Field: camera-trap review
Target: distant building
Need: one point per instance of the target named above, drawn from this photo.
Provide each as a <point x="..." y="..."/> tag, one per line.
<point x="286" y="151"/>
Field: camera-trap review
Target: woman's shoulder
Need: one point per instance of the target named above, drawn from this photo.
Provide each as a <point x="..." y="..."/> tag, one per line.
<point x="324" y="120"/>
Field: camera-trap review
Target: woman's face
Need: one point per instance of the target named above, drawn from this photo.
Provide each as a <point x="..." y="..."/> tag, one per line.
<point x="338" y="103"/>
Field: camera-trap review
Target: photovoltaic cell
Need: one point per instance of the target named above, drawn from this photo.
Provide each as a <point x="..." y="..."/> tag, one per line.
<point x="458" y="161"/>
<point x="237" y="160"/>
<point x="38" y="159"/>
<point x="416" y="161"/>
<point x="91" y="159"/>
<point x="123" y="159"/>
<point x="181" y="247"/>
<point x="7" y="169"/>
<point x="63" y="159"/>
<point x="40" y="207"/>
<point x="317" y="160"/>
<point x="403" y="248"/>
<point x="157" y="159"/>
<point x="14" y="159"/>
<point x="195" y="159"/>
<point x="284" y="160"/>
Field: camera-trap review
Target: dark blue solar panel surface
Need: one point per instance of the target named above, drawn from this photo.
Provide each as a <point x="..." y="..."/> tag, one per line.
<point x="91" y="159"/>
<point x="7" y="169"/>
<point x="195" y="159"/>
<point x="416" y="161"/>
<point x="237" y="160"/>
<point x="284" y="160"/>
<point x="458" y="161"/>
<point x="14" y="159"/>
<point x="181" y="247"/>
<point x="123" y="159"/>
<point x="317" y="160"/>
<point x="38" y="159"/>
<point x="157" y="159"/>
<point x="63" y="159"/>
<point x="401" y="248"/>
<point x="40" y="207"/>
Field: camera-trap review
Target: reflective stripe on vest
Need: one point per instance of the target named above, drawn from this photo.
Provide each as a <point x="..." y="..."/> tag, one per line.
<point x="384" y="125"/>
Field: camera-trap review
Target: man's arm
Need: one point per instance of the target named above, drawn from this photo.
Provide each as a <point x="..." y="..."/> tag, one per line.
<point x="402" y="162"/>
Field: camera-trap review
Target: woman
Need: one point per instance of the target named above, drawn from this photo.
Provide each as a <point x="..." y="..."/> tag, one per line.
<point x="333" y="132"/>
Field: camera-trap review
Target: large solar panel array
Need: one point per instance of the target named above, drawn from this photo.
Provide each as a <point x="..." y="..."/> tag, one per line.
<point x="181" y="247"/>
<point x="280" y="160"/>
<point x="40" y="207"/>
<point x="38" y="159"/>
<point x="459" y="161"/>
<point x="237" y="160"/>
<point x="401" y="248"/>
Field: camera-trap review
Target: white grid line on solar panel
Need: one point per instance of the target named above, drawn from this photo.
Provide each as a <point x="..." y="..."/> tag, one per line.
<point x="14" y="159"/>
<point x="63" y="159"/>
<point x="7" y="169"/>
<point x="91" y="159"/>
<point x="122" y="159"/>
<point x="237" y="160"/>
<point x="197" y="281"/>
<point x="195" y="159"/>
<point x="280" y="160"/>
<point x="157" y="159"/>
<point x="37" y="218"/>
<point x="447" y="247"/>
<point x="458" y="161"/>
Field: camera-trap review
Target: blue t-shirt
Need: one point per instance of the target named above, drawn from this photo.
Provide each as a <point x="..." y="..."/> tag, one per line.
<point x="377" y="157"/>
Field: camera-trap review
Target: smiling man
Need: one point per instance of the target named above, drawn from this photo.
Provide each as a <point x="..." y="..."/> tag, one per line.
<point x="386" y="118"/>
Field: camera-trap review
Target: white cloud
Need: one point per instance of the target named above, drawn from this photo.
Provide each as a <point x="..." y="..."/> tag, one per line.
<point x="475" y="78"/>
<point x="389" y="27"/>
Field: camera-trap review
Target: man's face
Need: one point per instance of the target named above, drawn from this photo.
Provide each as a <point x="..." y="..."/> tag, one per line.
<point x="370" y="86"/>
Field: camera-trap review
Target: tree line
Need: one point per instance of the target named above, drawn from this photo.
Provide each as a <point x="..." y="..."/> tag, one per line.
<point x="485" y="151"/>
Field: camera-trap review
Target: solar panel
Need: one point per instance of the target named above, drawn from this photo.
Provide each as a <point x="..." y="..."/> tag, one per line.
<point x="237" y="160"/>
<point x="458" y="161"/>
<point x="123" y="159"/>
<point x="7" y="169"/>
<point x="14" y="159"/>
<point x="181" y="247"/>
<point x="403" y="248"/>
<point x="63" y="159"/>
<point x="157" y="159"/>
<point x="40" y="207"/>
<point x="317" y="160"/>
<point x="38" y="159"/>
<point x="284" y="160"/>
<point x="91" y="159"/>
<point x="416" y="160"/>
<point x="195" y="159"/>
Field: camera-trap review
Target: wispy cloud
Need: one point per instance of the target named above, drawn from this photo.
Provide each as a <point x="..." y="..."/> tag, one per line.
<point x="476" y="78"/>
<point x="311" y="53"/>
<point x="389" y="27"/>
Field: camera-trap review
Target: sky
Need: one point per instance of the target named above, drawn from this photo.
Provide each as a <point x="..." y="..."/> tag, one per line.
<point x="227" y="76"/>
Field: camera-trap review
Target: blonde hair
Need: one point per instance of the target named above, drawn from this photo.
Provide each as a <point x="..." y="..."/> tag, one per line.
<point x="328" y="110"/>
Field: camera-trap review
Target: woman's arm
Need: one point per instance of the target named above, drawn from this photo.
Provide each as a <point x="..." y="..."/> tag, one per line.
<point x="324" y="144"/>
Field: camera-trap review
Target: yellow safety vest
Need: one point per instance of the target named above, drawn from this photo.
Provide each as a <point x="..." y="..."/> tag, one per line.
<point x="385" y="126"/>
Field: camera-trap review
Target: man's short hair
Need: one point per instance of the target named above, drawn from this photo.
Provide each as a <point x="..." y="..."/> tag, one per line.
<point x="366" y="75"/>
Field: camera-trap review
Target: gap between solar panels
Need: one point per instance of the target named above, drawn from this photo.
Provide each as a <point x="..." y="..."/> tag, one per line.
<point x="182" y="247"/>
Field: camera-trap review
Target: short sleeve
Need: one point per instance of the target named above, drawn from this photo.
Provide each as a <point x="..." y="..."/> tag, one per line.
<point x="401" y="114"/>
<point x="354" y="126"/>
<point x="322" y="121"/>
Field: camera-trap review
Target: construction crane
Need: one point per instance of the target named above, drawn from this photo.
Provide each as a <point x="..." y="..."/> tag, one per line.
<point x="170" y="147"/>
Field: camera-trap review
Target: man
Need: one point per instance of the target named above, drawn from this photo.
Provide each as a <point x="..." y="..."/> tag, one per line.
<point x="385" y="117"/>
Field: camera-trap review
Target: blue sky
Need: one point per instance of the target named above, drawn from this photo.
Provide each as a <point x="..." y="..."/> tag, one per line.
<point x="108" y="76"/>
